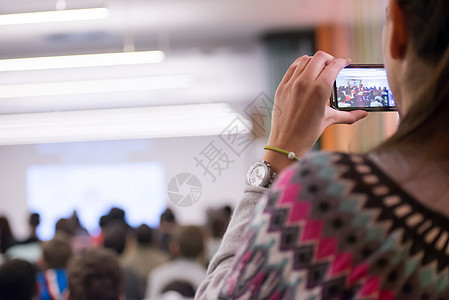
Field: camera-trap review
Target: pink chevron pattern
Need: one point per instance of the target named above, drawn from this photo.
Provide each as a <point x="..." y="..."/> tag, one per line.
<point x="328" y="249"/>
<point x="312" y="231"/>
<point x="358" y="273"/>
<point x="299" y="211"/>
<point x="290" y="194"/>
<point x="342" y="263"/>
<point x="285" y="178"/>
<point x="370" y="288"/>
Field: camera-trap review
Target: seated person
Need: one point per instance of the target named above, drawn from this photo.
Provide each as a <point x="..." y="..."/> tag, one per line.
<point x="53" y="279"/>
<point x="146" y="255"/>
<point x="95" y="274"/>
<point x="115" y="238"/>
<point x="186" y="248"/>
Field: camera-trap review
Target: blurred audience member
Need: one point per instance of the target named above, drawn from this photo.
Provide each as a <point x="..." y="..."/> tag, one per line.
<point x="115" y="237"/>
<point x="17" y="280"/>
<point x="166" y="227"/>
<point x="217" y="227"/>
<point x="95" y="274"/>
<point x="67" y="228"/>
<point x="82" y="238"/>
<point x="29" y="249"/>
<point x="178" y="290"/>
<point x="98" y="240"/>
<point x="53" y="279"/>
<point x="186" y="247"/>
<point x="79" y="229"/>
<point x="33" y="222"/>
<point x="145" y="256"/>
<point x="227" y="213"/>
<point x="6" y="237"/>
<point x="117" y="215"/>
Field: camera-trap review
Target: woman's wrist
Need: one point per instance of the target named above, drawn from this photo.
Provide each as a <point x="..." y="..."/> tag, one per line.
<point x="278" y="161"/>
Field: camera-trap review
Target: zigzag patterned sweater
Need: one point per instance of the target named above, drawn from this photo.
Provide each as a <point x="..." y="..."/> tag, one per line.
<point x="333" y="226"/>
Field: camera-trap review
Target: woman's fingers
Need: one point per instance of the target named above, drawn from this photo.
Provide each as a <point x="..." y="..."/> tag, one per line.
<point x="302" y="96"/>
<point x="298" y="66"/>
<point x="331" y="70"/>
<point x="317" y="64"/>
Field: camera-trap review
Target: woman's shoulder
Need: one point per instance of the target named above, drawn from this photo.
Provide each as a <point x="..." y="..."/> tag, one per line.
<point x="332" y="174"/>
<point x="327" y="164"/>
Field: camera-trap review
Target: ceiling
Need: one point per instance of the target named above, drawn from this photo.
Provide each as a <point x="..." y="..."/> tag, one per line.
<point x="168" y="24"/>
<point x="214" y="43"/>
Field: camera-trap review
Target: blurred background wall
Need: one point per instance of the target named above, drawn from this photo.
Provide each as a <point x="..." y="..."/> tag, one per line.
<point x="196" y="101"/>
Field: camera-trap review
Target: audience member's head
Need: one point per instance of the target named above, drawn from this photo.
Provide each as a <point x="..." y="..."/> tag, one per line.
<point x="227" y="211"/>
<point x="95" y="274"/>
<point x="168" y="216"/>
<point x="167" y="222"/>
<point x="56" y="253"/>
<point x="117" y="214"/>
<point x="144" y="235"/>
<point x="75" y="219"/>
<point x="17" y="280"/>
<point x="115" y="237"/>
<point x="103" y="221"/>
<point x="66" y="227"/>
<point x="218" y="227"/>
<point x="34" y="220"/>
<point x="187" y="242"/>
<point x="79" y="229"/>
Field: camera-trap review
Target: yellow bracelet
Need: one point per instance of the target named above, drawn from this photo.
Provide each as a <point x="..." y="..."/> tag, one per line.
<point x="290" y="155"/>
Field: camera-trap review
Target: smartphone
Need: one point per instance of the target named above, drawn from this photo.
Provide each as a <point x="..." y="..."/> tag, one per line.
<point x="362" y="87"/>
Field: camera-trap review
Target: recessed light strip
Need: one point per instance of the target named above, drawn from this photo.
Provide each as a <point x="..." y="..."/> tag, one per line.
<point x="54" y="16"/>
<point x="81" y="61"/>
<point x="96" y="86"/>
<point x="117" y="124"/>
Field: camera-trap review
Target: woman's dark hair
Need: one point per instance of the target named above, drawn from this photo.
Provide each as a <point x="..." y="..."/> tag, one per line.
<point x="427" y="118"/>
<point x="428" y="26"/>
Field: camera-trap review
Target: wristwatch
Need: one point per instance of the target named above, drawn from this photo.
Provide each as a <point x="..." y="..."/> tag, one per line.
<point x="260" y="175"/>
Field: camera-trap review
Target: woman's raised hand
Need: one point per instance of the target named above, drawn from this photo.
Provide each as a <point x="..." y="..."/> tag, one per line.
<point x="303" y="114"/>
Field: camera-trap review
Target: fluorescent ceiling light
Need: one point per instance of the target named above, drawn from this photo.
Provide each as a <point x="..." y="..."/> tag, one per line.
<point x="81" y="61"/>
<point x="96" y="86"/>
<point x="54" y="16"/>
<point x="118" y="124"/>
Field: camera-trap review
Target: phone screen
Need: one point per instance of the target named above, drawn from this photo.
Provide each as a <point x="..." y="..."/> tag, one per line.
<point x="363" y="87"/>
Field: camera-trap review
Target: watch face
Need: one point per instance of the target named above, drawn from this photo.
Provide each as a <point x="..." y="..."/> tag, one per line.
<point x="258" y="175"/>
